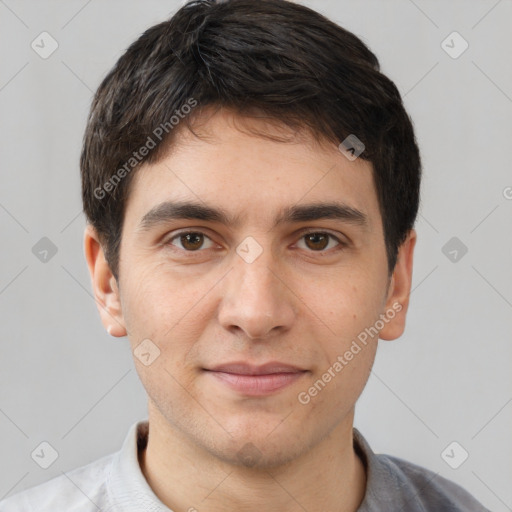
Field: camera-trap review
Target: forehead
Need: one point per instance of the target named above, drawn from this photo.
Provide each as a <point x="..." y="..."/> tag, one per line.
<point x="252" y="169"/>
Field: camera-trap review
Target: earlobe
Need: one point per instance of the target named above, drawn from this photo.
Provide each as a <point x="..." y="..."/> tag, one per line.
<point x="105" y="289"/>
<point x="397" y="301"/>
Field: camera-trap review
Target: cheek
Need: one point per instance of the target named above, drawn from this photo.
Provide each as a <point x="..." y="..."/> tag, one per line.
<point x="171" y="311"/>
<point x="350" y="306"/>
<point x="157" y="301"/>
<point x="349" y="350"/>
<point x="337" y="385"/>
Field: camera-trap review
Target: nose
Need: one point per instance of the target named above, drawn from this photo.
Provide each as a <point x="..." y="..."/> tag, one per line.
<point x="257" y="300"/>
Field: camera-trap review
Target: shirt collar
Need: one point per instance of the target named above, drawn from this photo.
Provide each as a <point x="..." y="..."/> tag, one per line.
<point x="128" y="489"/>
<point x="386" y="487"/>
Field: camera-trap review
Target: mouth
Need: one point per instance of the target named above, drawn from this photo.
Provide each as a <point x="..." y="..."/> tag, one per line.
<point x="252" y="380"/>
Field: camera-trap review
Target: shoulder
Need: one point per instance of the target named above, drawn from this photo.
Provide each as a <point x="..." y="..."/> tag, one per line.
<point x="395" y="484"/>
<point x="82" y="489"/>
<point x="428" y="490"/>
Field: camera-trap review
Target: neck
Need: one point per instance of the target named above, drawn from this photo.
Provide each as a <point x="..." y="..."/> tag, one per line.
<point x="185" y="476"/>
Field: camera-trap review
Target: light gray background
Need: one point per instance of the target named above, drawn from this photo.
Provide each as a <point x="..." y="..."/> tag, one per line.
<point x="65" y="381"/>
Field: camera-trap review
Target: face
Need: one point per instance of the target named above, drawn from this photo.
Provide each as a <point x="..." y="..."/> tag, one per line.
<point x="249" y="270"/>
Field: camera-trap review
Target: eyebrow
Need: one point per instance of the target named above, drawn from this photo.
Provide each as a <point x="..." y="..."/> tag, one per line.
<point x="174" y="210"/>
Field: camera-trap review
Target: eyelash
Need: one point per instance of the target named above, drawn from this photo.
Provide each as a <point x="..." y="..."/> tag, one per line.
<point x="341" y="245"/>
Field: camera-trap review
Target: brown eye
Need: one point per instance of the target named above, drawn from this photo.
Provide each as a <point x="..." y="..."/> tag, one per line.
<point x="318" y="241"/>
<point x="190" y="241"/>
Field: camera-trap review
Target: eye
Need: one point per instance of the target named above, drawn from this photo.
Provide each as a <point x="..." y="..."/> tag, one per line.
<point x="318" y="241"/>
<point x="191" y="241"/>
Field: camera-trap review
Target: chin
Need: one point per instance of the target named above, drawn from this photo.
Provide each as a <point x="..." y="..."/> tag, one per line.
<point x="259" y="450"/>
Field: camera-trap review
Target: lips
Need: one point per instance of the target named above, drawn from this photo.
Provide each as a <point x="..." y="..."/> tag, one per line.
<point x="256" y="380"/>
<point x="242" y="368"/>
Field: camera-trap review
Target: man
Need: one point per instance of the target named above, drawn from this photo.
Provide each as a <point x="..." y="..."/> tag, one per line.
<point x="251" y="182"/>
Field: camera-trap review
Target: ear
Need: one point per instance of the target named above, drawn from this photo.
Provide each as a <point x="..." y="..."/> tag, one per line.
<point x="105" y="288"/>
<point x="397" y="301"/>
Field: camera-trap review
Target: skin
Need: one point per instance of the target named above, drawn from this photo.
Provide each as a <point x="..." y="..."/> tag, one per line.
<point x="299" y="302"/>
